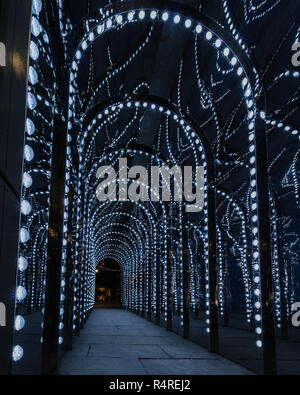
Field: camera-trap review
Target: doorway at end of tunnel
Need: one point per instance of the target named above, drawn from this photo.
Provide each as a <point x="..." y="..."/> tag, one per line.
<point x="108" y="284"/>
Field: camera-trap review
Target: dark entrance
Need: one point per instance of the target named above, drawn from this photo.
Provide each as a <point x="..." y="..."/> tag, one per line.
<point x="108" y="284"/>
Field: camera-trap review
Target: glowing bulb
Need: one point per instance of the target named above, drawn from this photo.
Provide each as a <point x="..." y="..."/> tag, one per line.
<point x="142" y="14"/>
<point x="21" y="293"/>
<point x="36" y="6"/>
<point x="177" y="19"/>
<point x="31" y="101"/>
<point x="34" y="51"/>
<point x="259" y="343"/>
<point x="46" y="38"/>
<point x="198" y="29"/>
<point x="27" y="180"/>
<point x="32" y="75"/>
<point x="188" y="23"/>
<point x="35" y="27"/>
<point x="248" y="92"/>
<point x="22" y="264"/>
<point x="218" y="43"/>
<point x="25" y="207"/>
<point x="165" y="16"/>
<point x="28" y="153"/>
<point x="153" y="14"/>
<point x="208" y="36"/>
<point x="30" y="128"/>
<point x="24" y="235"/>
<point x="226" y="51"/>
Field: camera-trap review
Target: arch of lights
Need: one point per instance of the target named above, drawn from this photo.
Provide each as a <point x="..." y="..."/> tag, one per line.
<point x="112" y="19"/>
<point x="41" y="106"/>
<point x="140" y="240"/>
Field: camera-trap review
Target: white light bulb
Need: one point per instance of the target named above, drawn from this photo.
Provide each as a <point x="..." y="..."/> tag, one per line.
<point x="208" y="36"/>
<point x="226" y="51"/>
<point x="188" y="23"/>
<point x="25" y="207"/>
<point x="198" y="29"/>
<point x="176" y="19"/>
<point x="165" y="16"/>
<point x="31" y="101"/>
<point x="24" y="235"/>
<point x="35" y="27"/>
<point x="32" y="75"/>
<point x="37" y="6"/>
<point x="34" y="51"/>
<point x="27" y="180"/>
<point x="218" y="43"/>
<point x="46" y="38"/>
<point x="142" y="14"/>
<point x="130" y="16"/>
<point x="153" y="14"/>
<point x="30" y="127"/>
<point x="259" y="343"/>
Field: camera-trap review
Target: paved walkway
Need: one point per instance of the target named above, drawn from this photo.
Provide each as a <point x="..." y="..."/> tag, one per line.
<point x="121" y="343"/>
